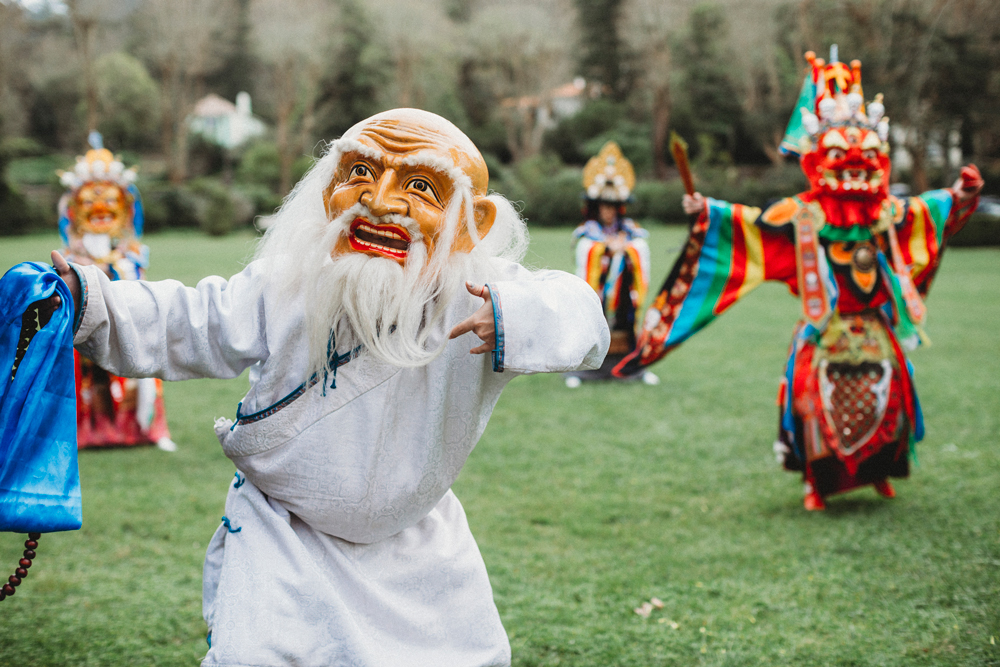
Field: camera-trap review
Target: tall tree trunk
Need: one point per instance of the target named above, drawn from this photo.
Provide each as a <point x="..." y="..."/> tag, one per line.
<point x="285" y="107"/>
<point x="167" y="110"/>
<point x="313" y="74"/>
<point x="404" y="79"/>
<point x="661" y="123"/>
<point x="83" y="28"/>
<point x="772" y="148"/>
<point x="918" y="153"/>
<point x="178" y="161"/>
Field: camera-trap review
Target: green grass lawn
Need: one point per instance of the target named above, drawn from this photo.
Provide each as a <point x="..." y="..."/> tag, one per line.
<point x="587" y="502"/>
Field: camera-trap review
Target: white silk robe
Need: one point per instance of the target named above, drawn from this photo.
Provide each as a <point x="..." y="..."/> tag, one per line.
<point x="345" y="544"/>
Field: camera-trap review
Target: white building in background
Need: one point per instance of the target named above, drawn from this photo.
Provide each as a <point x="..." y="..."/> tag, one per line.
<point x="220" y="121"/>
<point x="558" y="103"/>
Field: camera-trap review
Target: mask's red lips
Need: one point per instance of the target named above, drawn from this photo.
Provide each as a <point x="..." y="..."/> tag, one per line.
<point x="390" y="241"/>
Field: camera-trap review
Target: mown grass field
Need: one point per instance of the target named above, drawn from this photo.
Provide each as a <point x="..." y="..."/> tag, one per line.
<point x="587" y="502"/>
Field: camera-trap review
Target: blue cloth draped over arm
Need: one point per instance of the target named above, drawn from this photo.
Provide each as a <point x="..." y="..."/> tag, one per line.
<point x="39" y="476"/>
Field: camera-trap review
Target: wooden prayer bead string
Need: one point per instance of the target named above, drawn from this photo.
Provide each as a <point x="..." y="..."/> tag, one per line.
<point x="22" y="569"/>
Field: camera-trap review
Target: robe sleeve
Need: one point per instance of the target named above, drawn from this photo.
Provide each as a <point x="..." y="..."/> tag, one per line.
<point x="135" y="328"/>
<point x="547" y="321"/>
<point x="726" y="256"/>
<point x="928" y="222"/>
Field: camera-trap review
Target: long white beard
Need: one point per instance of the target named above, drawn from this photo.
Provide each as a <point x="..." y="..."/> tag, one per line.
<point x="395" y="312"/>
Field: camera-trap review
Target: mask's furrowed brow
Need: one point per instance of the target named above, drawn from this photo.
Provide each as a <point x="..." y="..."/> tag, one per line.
<point x="458" y="178"/>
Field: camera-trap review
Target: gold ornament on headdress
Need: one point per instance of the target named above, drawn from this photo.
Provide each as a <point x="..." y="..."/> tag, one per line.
<point x="608" y="175"/>
<point x="99" y="164"/>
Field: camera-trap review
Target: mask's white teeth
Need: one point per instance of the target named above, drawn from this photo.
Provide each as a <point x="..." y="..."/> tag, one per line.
<point x="387" y="233"/>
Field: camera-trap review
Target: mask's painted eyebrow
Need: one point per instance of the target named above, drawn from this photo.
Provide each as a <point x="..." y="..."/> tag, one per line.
<point x="439" y="164"/>
<point x="347" y="146"/>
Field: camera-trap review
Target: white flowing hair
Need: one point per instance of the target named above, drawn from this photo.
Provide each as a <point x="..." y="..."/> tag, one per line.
<point x="396" y="312"/>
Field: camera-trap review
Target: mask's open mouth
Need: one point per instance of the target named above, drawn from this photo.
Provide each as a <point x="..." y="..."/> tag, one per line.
<point x="390" y="241"/>
<point x="861" y="180"/>
<point x="102" y="221"/>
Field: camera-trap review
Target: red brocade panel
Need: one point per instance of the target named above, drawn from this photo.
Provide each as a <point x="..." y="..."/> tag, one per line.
<point x="862" y="410"/>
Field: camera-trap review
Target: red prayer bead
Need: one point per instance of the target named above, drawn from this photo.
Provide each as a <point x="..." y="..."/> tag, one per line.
<point x="30" y="544"/>
<point x="34" y="536"/>
<point x="8" y="589"/>
<point x="25" y="563"/>
<point x="14" y="579"/>
<point x="21" y="572"/>
<point x="29" y="554"/>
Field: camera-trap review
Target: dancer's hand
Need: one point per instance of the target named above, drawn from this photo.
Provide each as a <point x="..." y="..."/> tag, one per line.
<point x="693" y="204"/>
<point x="617" y="243"/>
<point x="480" y="322"/>
<point x="69" y="277"/>
<point x="969" y="184"/>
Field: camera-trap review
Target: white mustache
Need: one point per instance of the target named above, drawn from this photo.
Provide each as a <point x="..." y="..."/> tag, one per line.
<point x="359" y="210"/>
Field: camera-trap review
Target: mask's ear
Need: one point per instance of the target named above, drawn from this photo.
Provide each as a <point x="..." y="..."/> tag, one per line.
<point x="327" y="195"/>
<point x="485" y="213"/>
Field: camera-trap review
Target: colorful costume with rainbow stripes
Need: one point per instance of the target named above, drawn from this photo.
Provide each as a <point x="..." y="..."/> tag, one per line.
<point x="861" y="262"/>
<point x="611" y="252"/>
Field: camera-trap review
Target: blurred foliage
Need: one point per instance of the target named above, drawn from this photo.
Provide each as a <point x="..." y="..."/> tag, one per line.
<point x="604" y="55"/>
<point x="53" y="118"/>
<point x="260" y="164"/>
<point x="710" y="104"/>
<point x="982" y="229"/>
<point x="128" y="101"/>
<point x="18" y="215"/>
<point x="215" y="206"/>
<point x="689" y="67"/>
<point x="361" y="69"/>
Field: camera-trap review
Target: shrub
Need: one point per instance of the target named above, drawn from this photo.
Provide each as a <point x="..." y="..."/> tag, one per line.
<point x="556" y="199"/>
<point x="18" y="147"/>
<point x="982" y="229"/>
<point x="260" y="198"/>
<point x="17" y="214"/>
<point x="658" y="202"/>
<point x="217" y="213"/>
<point x="545" y="191"/>
<point x="260" y="164"/>
<point x="129" y="101"/>
<point x="167" y="206"/>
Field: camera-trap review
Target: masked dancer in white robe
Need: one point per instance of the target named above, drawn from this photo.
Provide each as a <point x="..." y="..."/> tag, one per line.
<point x="343" y="543"/>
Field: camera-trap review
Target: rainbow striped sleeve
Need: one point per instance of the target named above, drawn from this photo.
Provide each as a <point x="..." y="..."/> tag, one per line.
<point x="726" y="256"/>
<point x="589" y="255"/>
<point x="924" y="233"/>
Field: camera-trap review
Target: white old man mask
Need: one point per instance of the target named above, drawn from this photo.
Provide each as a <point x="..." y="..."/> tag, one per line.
<point x="384" y="231"/>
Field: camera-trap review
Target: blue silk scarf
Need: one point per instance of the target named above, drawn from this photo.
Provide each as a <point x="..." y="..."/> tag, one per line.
<point x="39" y="475"/>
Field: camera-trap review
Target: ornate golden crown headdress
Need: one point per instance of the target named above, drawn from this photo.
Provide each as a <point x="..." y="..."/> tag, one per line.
<point x="608" y="175"/>
<point x="99" y="164"/>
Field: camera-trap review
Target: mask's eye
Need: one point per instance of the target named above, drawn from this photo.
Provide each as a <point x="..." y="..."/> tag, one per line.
<point x="835" y="154"/>
<point x="360" y="170"/>
<point x="868" y="154"/>
<point x="424" y="187"/>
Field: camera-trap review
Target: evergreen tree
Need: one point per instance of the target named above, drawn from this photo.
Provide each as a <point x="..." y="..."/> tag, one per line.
<point x="236" y="73"/>
<point x="359" y="73"/>
<point x="604" y="55"/>
<point x="710" y="99"/>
